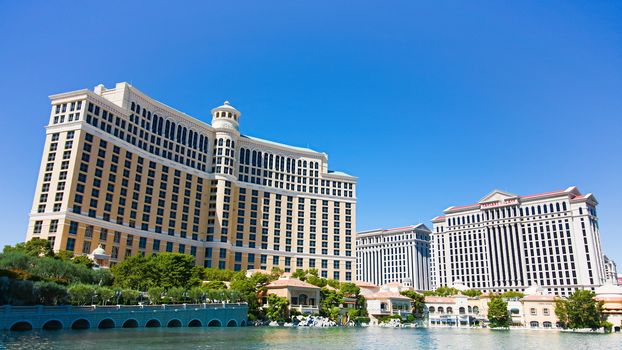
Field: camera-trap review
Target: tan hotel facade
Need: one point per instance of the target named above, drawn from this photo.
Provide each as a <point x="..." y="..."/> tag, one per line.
<point x="138" y="177"/>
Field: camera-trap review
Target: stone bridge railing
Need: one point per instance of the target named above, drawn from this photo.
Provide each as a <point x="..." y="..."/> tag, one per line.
<point x="23" y="318"/>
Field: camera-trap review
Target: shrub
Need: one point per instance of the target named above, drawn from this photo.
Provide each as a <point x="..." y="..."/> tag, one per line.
<point x="81" y="294"/>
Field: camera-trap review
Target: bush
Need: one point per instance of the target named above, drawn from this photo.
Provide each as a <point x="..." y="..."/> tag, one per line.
<point x="104" y="295"/>
<point x="50" y="293"/>
<point x="81" y="294"/>
<point x="155" y="295"/>
<point x="129" y="296"/>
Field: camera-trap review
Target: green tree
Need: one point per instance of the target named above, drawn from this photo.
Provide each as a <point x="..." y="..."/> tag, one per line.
<point x="349" y="289"/>
<point x="329" y="299"/>
<point x="81" y="294"/>
<point x="300" y="274"/>
<point x="50" y="293"/>
<point x="155" y="294"/>
<point x="196" y="294"/>
<point x="83" y="260"/>
<point x="216" y="295"/>
<point x="276" y="272"/>
<point x="129" y="296"/>
<point x="276" y="310"/>
<point x="104" y="295"/>
<point x="472" y="293"/>
<point x="418" y="310"/>
<point x="213" y="274"/>
<point x="333" y="283"/>
<point x="215" y="285"/>
<point x="445" y="291"/>
<point x="176" y="294"/>
<point x="512" y="294"/>
<point x="170" y="270"/>
<point x="580" y="310"/>
<point x="316" y="281"/>
<point x="334" y="313"/>
<point x="498" y="313"/>
<point x="133" y="273"/>
<point x="35" y="247"/>
<point x="64" y="255"/>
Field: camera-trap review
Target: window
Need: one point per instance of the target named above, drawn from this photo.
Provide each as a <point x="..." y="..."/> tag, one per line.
<point x="53" y="226"/>
<point x="73" y="227"/>
<point x="533" y="311"/>
<point x="37" y="228"/>
<point x="71" y="243"/>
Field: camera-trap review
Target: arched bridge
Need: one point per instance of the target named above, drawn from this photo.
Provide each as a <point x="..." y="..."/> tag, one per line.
<point x="24" y="318"/>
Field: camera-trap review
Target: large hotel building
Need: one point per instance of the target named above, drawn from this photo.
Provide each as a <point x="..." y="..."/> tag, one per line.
<point x="138" y="177"/>
<point x="400" y="255"/>
<point x="509" y="242"/>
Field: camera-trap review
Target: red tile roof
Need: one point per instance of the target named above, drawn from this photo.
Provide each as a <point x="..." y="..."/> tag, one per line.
<point x="540" y="298"/>
<point x="290" y="282"/>
<point x="365" y="284"/>
<point x="386" y="295"/>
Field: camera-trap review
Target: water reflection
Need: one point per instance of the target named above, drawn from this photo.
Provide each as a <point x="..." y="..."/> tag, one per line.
<point x="300" y="339"/>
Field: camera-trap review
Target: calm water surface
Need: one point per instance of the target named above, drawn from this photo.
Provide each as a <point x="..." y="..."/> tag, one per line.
<point x="286" y="338"/>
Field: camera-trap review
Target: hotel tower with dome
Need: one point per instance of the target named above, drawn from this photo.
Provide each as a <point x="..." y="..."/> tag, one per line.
<point x="125" y="172"/>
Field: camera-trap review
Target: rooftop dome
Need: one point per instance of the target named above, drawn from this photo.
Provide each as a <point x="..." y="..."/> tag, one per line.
<point x="459" y="285"/>
<point x="534" y="289"/>
<point x="226" y="106"/>
<point x="99" y="251"/>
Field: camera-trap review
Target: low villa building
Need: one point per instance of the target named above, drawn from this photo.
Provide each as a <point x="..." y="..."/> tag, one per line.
<point x="387" y="301"/>
<point x="302" y="296"/>
<point x="539" y="309"/>
<point x="457" y="310"/>
<point x="611" y="296"/>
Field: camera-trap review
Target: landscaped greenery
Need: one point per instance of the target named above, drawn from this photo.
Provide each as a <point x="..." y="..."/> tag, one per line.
<point x="580" y="310"/>
<point x="418" y="310"/>
<point x="333" y="294"/>
<point x="30" y="273"/>
<point x="498" y="315"/>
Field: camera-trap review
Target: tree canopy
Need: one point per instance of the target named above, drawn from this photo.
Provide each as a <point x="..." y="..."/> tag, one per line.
<point x="166" y="270"/>
<point x="35" y="247"/>
<point x="580" y="310"/>
<point x="498" y="313"/>
<point x="418" y="302"/>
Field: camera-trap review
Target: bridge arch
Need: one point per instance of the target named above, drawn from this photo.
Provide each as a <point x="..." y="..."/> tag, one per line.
<point x="21" y="326"/>
<point x="232" y="323"/>
<point x="214" y="323"/>
<point x="52" y="325"/>
<point x="174" y="323"/>
<point x="195" y="323"/>
<point x="106" y="323"/>
<point x="153" y="323"/>
<point x="131" y="323"/>
<point x="80" y="323"/>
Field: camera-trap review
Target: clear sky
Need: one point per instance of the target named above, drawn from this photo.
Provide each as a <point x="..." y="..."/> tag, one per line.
<point x="430" y="105"/>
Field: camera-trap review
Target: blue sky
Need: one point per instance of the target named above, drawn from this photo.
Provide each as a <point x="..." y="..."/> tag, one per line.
<point x="430" y="105"/>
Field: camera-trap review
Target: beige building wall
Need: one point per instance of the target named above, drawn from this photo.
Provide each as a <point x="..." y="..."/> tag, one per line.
<point x="128" y="172"/>
<point x="539" y="314"/>
<point x="507" y="242"/>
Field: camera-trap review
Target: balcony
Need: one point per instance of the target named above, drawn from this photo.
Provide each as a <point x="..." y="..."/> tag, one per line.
<point x="305" y="309"/>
